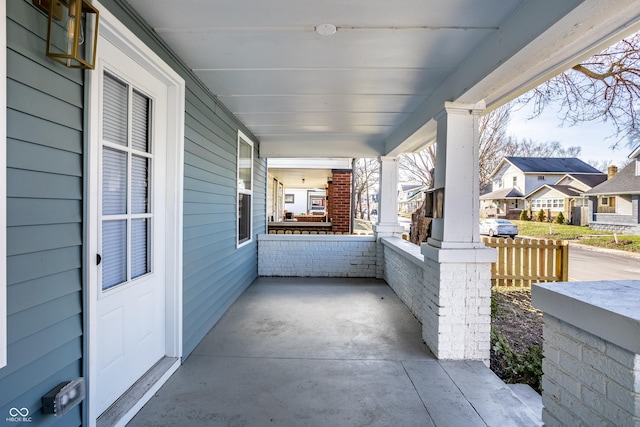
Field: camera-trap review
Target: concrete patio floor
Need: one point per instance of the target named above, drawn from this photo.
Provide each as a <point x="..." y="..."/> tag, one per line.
<point x="326" y="352"/>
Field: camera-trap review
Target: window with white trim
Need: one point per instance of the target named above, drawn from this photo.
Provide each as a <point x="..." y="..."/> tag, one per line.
<point x="555" y="204"/>
<point x="3" y="191"/>
<point x="245" y="189"/>
<point x="582" y="202"/>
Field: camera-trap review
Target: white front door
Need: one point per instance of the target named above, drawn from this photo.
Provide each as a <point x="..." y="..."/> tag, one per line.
<point x="129" y="165"/>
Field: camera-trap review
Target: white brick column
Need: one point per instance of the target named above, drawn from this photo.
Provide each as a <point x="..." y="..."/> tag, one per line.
<point x="388" y="224"/>
<point x="457" y="300"/>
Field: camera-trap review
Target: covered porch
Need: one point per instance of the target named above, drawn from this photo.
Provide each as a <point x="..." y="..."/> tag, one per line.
<point x="318" y="352"/>
<point x="229" y="85"/>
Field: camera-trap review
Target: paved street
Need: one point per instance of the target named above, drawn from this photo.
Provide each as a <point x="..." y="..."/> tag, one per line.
<point x="585" y="264"/>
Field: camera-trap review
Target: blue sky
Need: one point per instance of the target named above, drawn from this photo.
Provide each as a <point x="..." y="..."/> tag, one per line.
<point x="594" y="138"/>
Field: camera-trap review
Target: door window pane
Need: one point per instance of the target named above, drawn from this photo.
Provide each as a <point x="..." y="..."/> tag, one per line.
<point x="139" y="184"/>
<point x="140" y="122"/>
<point x="140" y="247"/>
<point x="114" y="182"/>
<point x="114" y="107"/>
<point x="114" y="253"/>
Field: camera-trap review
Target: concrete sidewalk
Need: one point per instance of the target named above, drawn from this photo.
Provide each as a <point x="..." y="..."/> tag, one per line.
<point x="326" y="352"/>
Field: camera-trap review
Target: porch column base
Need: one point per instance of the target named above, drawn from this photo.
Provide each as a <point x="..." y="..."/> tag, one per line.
<point x="388" y="229"/>
<point x="457" y="301"/>
<point x="392" y="229"/>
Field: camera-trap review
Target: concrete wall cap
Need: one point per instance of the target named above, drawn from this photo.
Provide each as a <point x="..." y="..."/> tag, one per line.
<point x="404" y="248"/>
<point x="607" y="309"/>
<point x="315" y="238"/>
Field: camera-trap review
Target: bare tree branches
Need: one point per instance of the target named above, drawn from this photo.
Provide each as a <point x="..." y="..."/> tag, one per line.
<point x="365" y="175"/>
<point x="605" y="87"/>
<point x="418" y="167"/>
<point x="494" y="143"/>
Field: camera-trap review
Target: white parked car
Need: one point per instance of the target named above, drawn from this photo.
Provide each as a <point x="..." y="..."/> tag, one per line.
<point x="498" y="227"/>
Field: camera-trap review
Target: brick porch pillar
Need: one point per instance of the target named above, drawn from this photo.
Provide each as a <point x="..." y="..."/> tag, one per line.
<point x="339" y="200"/>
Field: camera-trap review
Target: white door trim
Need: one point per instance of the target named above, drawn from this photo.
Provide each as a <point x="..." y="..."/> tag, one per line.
<point x="117" y="33"/>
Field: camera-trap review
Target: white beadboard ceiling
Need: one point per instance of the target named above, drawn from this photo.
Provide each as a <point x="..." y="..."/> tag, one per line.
<point x="374" y="86"/>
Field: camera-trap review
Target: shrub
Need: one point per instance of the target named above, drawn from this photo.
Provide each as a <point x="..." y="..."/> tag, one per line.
<point x="524" y="216"/>
<point x="541" y="216"/>
<point x="525" y="368"/>
<point x="560" y="219"/>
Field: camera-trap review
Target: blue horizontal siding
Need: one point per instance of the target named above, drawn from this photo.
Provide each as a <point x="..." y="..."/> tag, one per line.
<point x="36" y="238"/>
<point x="43" y="211"/>
<point x="32" y="129"/>
<point x="32" y="293"/>
<point x="25" y="267"/>
<point x="44" y="218"/>
<point x="39" y="185"/>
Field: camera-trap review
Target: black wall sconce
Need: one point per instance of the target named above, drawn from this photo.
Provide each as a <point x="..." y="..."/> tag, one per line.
<point x="70" y="22"/>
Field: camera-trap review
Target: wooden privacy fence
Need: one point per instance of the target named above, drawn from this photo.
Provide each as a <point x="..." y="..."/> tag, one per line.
<point x="522" y="262"/>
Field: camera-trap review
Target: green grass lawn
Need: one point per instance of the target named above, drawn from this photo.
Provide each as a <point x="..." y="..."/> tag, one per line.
<point x="626" y="242"/>
<point x="545" y="230"/>
<point x="603" y="239"/>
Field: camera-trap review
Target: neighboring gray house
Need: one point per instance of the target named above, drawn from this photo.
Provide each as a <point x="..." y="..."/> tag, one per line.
<point x="613" y="205"/>
<point x="515" y="178"/>
<point x="133" y="196"/>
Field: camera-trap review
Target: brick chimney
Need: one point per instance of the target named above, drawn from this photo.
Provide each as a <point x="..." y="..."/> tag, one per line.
<point x="612" y="171"/>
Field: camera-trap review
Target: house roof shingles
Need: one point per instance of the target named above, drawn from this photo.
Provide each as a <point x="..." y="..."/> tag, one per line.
<point x="570" y="165"/>
<point x="503" y="193"/>
<point x="590" y="180"/>
<point x="625" y="182"/>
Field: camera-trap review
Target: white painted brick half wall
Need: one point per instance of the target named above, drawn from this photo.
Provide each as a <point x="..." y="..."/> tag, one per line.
<point x="452" y="300"/>
<point x="404" y="272"/>
<point x="587" y="380"/>
<point x="302" y="255"/>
